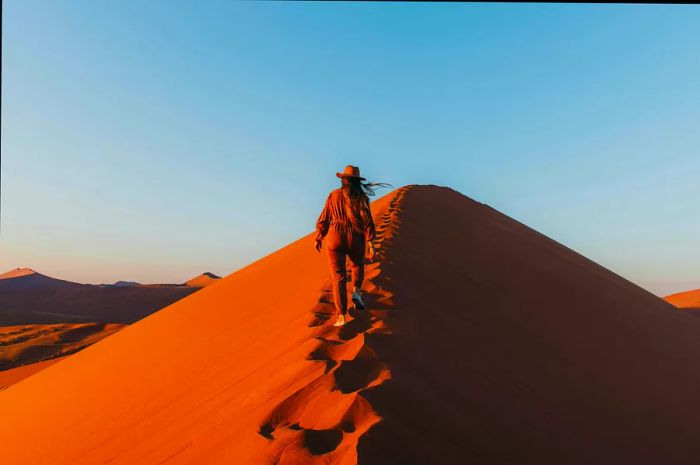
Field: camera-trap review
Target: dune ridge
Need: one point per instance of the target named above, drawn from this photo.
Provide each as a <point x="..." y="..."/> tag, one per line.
<point x="322" y="422"/>
<point x="202" y="280"/>
<point x="17" y="374"/>
<point x="17" y="273"/>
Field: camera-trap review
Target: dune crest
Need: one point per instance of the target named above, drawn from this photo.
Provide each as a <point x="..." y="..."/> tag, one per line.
<point x="322" y="422"/>
<point x="17" y="374"/>
<point x="17" y="273"/>
<point x="26" y="279"/>
<point x="202" y="280"/>
<point x="482" y="341"/>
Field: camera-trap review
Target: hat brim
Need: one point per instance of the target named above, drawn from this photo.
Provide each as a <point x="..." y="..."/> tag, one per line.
<point x="343" y="175"/>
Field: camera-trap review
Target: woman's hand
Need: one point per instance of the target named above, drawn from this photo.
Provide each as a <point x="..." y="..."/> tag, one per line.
<point x="372" y="254"/>
<point x="318" y="244"/>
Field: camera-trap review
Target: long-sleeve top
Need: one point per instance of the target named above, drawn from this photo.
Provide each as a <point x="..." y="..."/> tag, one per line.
<point x="336" y="213"/>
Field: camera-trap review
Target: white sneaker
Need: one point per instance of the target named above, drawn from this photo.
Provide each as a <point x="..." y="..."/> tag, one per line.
<point x="340" y="321"/>
<point x="357" y="300"/>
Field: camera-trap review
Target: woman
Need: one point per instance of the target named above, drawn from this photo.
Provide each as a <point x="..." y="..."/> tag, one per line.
<point x="346" y="224"/>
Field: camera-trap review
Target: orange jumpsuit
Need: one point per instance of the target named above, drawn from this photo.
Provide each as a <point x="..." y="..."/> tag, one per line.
<point x="343" y="240"/>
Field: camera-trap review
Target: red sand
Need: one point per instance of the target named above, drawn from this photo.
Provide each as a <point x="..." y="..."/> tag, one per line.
<point x="15" y="375"/>
<point x="17" y="273"/>
<point x="203" y="280"/>
<point x="484" y="342"/>
<point x="687" y="299"/>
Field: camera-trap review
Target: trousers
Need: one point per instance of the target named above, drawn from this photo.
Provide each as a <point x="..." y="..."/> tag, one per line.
<point x="342" y="243"/>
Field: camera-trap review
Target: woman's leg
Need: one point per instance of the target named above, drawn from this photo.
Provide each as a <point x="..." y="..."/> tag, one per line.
<point x="336" y="262"/>
<point x="357" y="259"/>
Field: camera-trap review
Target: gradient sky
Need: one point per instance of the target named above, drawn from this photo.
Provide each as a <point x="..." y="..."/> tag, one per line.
<point x="151" y="141"/>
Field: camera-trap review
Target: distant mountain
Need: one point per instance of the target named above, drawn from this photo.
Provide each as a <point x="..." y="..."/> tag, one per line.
<point x="24" y="279"/>
<point x="54" y="318"/>
<point x="126" y="284"/>
<point x="29" y="297"/>
<point x="202" y="280"/>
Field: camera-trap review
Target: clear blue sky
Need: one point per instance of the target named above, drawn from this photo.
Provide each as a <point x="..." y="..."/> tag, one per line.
<point x="154" y="140"/>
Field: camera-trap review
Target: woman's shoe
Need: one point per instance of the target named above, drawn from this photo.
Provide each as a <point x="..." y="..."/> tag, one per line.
<point x="340" y="321"/>
<point x="357" y="300"/>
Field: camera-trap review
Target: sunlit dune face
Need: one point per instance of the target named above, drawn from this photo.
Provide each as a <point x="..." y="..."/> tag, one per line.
<point x="688" y="299"/>
<point x="17" y="273"/>
<point x="203" y="280"/>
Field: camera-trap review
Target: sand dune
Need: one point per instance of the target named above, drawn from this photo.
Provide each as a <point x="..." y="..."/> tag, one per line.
<point x="484" y="342"/>
<point x="17" y="273"/>
<point x="202" y="280"/>
<point x="26" y="279"/>
<point x="28" y="349"/>
<point x="687" y="299"/>
<point x="27" y="344"/>
<point x="15" y="375"/>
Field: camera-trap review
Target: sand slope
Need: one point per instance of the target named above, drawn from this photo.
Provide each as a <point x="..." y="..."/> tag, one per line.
<point x="484" y="342"/>
<point x="17" y="273"/>
<point x="15" y="375"/>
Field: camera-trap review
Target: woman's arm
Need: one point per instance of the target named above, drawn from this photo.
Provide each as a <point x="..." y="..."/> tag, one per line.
<point x="323" y="222"/>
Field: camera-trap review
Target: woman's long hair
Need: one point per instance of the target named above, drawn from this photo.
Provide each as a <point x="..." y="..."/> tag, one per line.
<point x="356" y="194"/>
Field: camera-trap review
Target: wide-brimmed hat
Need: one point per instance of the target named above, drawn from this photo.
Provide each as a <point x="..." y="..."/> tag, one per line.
<point x="350" y="172"/>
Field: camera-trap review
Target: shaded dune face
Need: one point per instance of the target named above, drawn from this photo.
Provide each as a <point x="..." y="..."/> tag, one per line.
<point x="482" y="342"/>
<point x="508" y="345"/>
